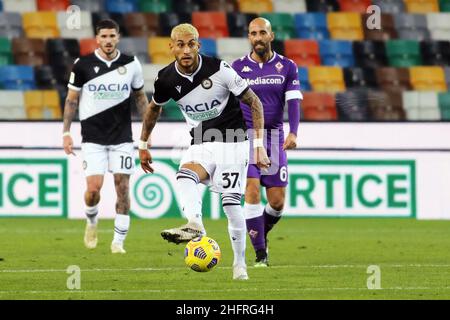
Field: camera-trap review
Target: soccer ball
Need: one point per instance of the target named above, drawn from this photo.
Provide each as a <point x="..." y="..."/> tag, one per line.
<point x="202" y="254"/>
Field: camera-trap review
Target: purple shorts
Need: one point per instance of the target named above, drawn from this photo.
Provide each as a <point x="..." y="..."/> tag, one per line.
<point x="277" y="174"/>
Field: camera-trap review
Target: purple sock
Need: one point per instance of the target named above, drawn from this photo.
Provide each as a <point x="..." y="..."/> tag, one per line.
<point x="269" y="222"/>
<point x="255" y="229"/>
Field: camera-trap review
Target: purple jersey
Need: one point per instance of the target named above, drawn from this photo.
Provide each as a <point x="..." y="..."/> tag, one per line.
<point x="274" y="82"/>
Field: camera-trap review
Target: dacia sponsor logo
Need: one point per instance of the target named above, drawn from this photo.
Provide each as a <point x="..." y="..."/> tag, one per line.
<point x="199" y="107"/>
<point x="109" y="91"/>
<point x="269" y="79"/>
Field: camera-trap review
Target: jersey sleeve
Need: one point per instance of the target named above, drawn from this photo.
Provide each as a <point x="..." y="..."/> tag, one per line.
<point x="160" y="96"/>
<point x="138" y="79"/>
<point x="76" y="79"/>
<point x="232" y="79"/>
<point x="292" y="83"/>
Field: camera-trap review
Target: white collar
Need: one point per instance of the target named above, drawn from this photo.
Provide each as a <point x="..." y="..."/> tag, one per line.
<point x="190" y="77"/>
<point x="249" y="56"/>
<point x="108" y="62"/>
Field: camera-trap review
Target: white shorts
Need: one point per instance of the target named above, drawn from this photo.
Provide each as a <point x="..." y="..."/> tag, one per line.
<point x="114" y="158"/>
<point x="226" y="164"/>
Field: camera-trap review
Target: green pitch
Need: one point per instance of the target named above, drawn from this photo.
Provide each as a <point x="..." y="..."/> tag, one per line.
<point x="310" y="259"/>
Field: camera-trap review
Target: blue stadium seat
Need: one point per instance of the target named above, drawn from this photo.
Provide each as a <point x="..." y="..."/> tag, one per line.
<point x="311" y="26"/>
<point x="15" y="77"/>
<point x="390" y="6"/>
<point x="336" y="53"/>
<point x="90" y="5"/>
<point x="304" y="79"/>
<point x="121" y="6"/>
<point x="208" y="47"/>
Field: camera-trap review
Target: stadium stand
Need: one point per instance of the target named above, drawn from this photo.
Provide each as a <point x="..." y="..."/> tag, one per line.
<point x="12" y="105"/>
<point x="42" y="104"/>
<point x="372" y="74"/>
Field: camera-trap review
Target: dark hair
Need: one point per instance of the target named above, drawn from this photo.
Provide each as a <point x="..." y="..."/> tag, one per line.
<point x="106" y="24"/>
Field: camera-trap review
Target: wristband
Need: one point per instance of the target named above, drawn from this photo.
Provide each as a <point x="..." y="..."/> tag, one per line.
<point x="258" y="143"/>
<point x="65" y="134"/>
<point x="142" y="145"/>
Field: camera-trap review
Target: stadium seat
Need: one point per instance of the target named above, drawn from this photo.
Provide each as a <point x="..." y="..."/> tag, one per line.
<point x="221" y="5"/>
<point x="411" y="26"/>
<point x="352" y="105"/>
<point x="211" y="24"/>
<point x="90" y="5"/>
<point x="158" y="49"/>
<point x="293" y="6"/>
<point x="155" y="6"/>
<point x="255" y="6"/>
<point x="444" y="105"/>
<point x="447" y="76"/>
<point x="359" y="6"/>
<point x="336" y="53"/>
<point x="208" y="47"/>
<point x="444" y="5"/>
<point x="120" y="6"/>
<point x="11" y="25"/>
<point x="369" y="54"/>
<point x="311" y="26"/>
<point x="393" y="79"/>
<point x="44" y="77"/>
<point x="187" y="6"/>
<point x="439" y="25"/>
<point x="390" y="6"/>
<point x="386" y="32"/>
<point x="87" y="46"/>
<point x="238" y="23"/>
<point x="428" y="79"/>
<point x="230" y="49"/>
<point x="30" y="52"/>
<point x="135" y="46"/>
<point x="318" y="106"/>
<point x="85" y="29"/>
<point x="322" y="5"/>
<point x="303" y="52"/>
<point x="52" y="5"/>
<point x="359" y="77"/>
<point x="150" y="71"/>
<point x="60" y="49"/>
<point x="42" y="105"/>
<point x="326" y="79"/>
<point x="303" y="78"/>
<point x="17" y="77"/>
<point x="435" y="52"/>
<point x="386" y="106"/>
<point x="403" y="53"/>
<point x="12" y="105"/>
<point x="139" y="24"/>
<point x="117" y="17"/>
<point x="5" y="52"/>
<point x="282" y="24"/>
<point x="42" y="24"/>
<point x="168" y="20"/>
<point x="19" y="6"/>
<point x="345" y="26"/>
<point x="422" y="6"/>
<point x="278" y="46"/>
<point x="420" y="106"/>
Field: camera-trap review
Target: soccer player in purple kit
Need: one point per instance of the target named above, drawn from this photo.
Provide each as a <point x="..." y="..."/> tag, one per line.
<point x="274" y="79"/>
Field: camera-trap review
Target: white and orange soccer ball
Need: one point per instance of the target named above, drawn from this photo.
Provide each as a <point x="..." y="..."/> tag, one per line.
<point x="202" y="254"/>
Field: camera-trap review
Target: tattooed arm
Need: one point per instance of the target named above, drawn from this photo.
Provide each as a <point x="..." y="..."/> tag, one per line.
<point x="70" y="110"/>
<point x="150" y="117"/>
<point x="141" y="101"/>
<point x="260" y="154"/>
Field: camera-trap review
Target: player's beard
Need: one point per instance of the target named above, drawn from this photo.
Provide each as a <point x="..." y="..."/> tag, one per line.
<point x="261" y="51"/>
<point x="109" y="51"/>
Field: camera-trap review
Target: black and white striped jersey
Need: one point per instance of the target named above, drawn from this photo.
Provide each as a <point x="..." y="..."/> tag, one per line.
<point x="105" y="105"/>
<point x="207" y="98"/>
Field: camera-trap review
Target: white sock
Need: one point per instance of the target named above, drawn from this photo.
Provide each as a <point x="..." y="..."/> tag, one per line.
<point x="121" y="226"/>
<point x="272" y="211"/>
<point x="253" y="210"/>
<point x="190" y="198"/>
<point x="236" y="227"/>
<point x="91" y="214"/>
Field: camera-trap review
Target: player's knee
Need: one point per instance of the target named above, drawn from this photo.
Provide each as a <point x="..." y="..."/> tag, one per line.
<point x="92" y="196"/>
<point x="277" y="204"/>
<point x="252" y="194"/>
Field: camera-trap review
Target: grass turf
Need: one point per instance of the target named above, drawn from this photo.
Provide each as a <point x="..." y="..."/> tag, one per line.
<point x="310" y="259"/>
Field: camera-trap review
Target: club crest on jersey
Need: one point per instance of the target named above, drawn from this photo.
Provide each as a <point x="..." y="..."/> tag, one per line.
<point x="279" y="66"/>
<point x="207" y="83"/>
<point x="122" y="70"/>
<point x="246" y="69"/>
<point x="96" y="69"/>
